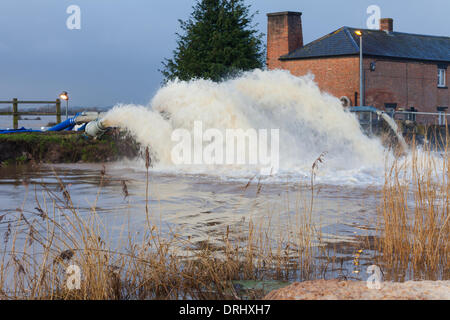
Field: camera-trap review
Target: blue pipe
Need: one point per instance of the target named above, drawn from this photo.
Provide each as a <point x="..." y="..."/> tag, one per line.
<point x="363" y="109"/>
<point x="67" y="124"/>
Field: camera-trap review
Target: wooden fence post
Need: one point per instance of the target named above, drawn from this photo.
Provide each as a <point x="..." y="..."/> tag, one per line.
<point x="15" y="114"/>
<point x="58" y="111"/>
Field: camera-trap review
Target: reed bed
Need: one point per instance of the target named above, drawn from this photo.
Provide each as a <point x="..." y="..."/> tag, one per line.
<point x="414" y="229"/>
<point x="43" y="250"/>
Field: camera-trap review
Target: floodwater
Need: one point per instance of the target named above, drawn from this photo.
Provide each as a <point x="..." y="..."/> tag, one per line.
<point x="201" y="201"/>
<point x="28" y="122"/>
<point x="200" y="207"/>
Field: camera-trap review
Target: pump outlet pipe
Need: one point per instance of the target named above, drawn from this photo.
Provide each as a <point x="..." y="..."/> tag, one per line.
<point x="95" y="128"/>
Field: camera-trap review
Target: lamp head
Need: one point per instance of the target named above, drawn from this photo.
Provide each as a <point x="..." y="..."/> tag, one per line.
<point x="64" y="95"/>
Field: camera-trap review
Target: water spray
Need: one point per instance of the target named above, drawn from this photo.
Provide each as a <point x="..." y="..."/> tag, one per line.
<point x="310" y="121"/>
<point x="394" y="128"/>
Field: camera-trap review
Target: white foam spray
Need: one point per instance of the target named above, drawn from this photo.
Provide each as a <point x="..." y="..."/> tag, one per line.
<point x="391" y="122"/>
<point x="310" y="121"/>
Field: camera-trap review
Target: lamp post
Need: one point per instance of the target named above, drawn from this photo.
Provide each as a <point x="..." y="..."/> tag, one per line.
<point x="361" y="70"/>
<point x="65" y="96"/>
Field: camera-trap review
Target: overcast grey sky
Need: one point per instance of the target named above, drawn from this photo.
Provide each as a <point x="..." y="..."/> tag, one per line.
<point x="116" y="54"/>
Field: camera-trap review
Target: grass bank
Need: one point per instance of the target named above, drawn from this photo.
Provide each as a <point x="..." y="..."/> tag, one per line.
<point x="64" y="147"/>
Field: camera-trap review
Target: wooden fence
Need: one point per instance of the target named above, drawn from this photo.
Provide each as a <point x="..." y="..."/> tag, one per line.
<point x="16" y="114"/>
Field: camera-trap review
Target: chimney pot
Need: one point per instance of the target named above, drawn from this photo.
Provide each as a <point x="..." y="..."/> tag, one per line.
<point x="387" y="24"/>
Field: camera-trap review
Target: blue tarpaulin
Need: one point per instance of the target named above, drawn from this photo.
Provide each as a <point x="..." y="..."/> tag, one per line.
<point x="18" y="130"/>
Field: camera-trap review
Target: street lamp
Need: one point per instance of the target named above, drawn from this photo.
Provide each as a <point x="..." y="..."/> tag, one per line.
<point x="65" y="96"/>
<point x="361" y="70"/>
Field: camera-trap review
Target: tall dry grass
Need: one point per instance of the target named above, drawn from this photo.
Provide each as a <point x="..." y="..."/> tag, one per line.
<point x="39" y="247"/>
<point x="414" y="228"/>
<point x="412" y="242"/>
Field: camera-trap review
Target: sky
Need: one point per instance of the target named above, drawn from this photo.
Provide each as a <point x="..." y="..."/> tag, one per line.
<point x="115" y="55"/>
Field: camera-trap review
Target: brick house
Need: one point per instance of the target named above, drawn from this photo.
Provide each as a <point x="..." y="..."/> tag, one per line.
<point x="401" y="70"/>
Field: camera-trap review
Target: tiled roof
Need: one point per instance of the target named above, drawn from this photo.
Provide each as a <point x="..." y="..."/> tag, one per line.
<point x="344" y="41"/>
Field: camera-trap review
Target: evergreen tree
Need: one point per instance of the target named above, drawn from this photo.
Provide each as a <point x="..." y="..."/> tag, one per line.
<point x="218" y="40"/>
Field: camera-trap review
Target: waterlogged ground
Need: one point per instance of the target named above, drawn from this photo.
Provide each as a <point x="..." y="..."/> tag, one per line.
<point x="29" y="122"/>
<point x="199" y="207"/>
<point x="205" y="204"/>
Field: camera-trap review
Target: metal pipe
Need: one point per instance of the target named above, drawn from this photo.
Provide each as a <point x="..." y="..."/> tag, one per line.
<point x="67" y="109"/>
<point x="88" y="116"/>
<point x="361" y="73"/>
<point x="95" y="128"/>
<point x="424" y="113"/>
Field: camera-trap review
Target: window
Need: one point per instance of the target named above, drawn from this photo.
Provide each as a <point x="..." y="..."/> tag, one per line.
<point x="411" y="116"/>
<point x="441" y="77"/>
<point x="441" y="117"/>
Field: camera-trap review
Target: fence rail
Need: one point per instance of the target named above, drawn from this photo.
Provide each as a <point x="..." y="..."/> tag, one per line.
<point x="411" y="115"/>
<point x="16" y="114"/>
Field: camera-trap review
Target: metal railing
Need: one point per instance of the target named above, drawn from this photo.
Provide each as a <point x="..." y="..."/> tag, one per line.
<point x="369" y="117"/>
<point x="412" y="115"/>
<point x="16" y="113"/>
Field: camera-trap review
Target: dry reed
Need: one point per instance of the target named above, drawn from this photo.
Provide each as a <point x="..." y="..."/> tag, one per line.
<point x="414" y="228"/>
<point x="156" y="266"/>
<point x="39" y="246"/>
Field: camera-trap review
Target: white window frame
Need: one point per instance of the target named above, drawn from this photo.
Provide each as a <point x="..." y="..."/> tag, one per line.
<point x="442" y="77"/>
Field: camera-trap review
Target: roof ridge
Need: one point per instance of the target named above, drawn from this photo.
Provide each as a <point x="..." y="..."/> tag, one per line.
<point x="399" y="32"/>
<point x="327" y="35"/>
<point x="315" y="41"/>
<point x="347" y="32"/>
<point x="344" y="41"/>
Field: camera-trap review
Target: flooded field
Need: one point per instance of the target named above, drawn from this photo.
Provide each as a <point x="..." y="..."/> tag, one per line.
<point x="330" y="202"/>
<point x="200" y="207"/>
<point x="28" y="122"/>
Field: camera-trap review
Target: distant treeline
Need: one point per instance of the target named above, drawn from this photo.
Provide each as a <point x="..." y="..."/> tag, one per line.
<point x="51" y="108"/>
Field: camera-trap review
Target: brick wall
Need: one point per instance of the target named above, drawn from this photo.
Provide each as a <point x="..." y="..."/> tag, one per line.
<point x="407" y="83"/>
<point x="338" y="75"/>
<point x="284" y="35"/>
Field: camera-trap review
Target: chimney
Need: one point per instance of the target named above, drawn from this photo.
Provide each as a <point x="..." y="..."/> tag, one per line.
<point x="284" y="35"/>
<point x="387" y="24"/>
